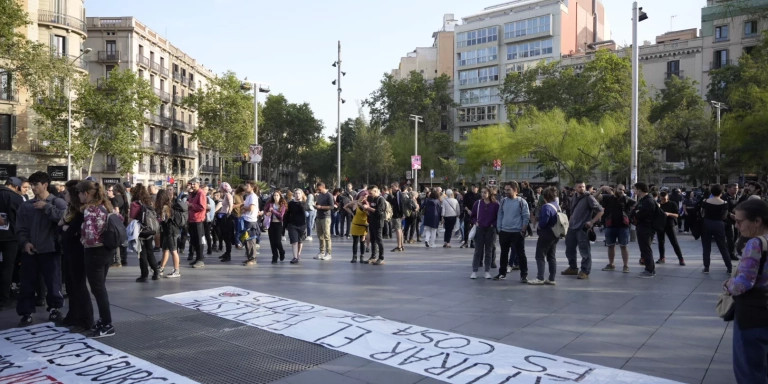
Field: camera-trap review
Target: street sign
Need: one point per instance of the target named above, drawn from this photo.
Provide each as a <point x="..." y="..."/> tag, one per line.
<point x="497" y="165"/>
<point x="416" y="162"/>
<point x="408" y="175"/>
<point x="491" y="181"/>
<point x="431" y="173"/>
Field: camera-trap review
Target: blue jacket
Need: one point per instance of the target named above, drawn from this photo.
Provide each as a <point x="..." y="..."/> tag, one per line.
<point x="513" y="215"/>
<point x="548" y="215"/>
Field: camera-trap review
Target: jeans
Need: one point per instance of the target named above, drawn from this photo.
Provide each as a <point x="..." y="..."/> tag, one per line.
<point x="250" y="246"/>
<point x="335" y="223"/>
<point x="345" y="221"/>
<point x="546" y="246"/>
<point x="448" y="224"/>
<point x="97" y="262"/>
<point x="196" y="233"/>
<point x="311" y="216"/>
<point x="644" y="240"/>
<point x="669" y="230"/>
<point x="147" y="258"/>
<point x="714" y="229"/>
<point x="577" y="237"/>
<point x="208" y="237"/>
<point x="324" y="234"/>
<point x="515" y="242"/>
<point x="275" y="233"/>
<point x="484" y="239"/>
<point x="375" y="232"/>
<point x="9" y="250"/>
<point x="49" y="266"/>
<point x="750" y="348"/>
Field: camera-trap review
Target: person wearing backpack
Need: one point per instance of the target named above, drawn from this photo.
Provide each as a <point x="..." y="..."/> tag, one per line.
<point x="96" y="209"/>
<point x="585" y="212"/>
<point x="143" y="211"/>
<point x="512" y="223"/>
<point x="546" y="244"/>
<point x="617" y="207"/>
<point x="168" y="232"/>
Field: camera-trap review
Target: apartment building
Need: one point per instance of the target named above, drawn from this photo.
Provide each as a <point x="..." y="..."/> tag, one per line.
<point x="514" y="36"/>
<point x="126" y="43"/>
<point x="431" y="62"/>
<point x="60" y="25"/>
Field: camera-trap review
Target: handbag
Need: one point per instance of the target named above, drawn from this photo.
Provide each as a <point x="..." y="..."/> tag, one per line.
<point x="472" y="231"/>
<point x="726" y="305"/>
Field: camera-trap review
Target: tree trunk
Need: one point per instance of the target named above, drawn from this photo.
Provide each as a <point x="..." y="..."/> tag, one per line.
<point x="93" y="155"/>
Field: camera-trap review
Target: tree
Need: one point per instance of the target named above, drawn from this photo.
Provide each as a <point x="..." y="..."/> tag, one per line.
<point x="315" y="161"/>
<point x="225" y="116"/>
<point x="111" y="117"/>
<point x="372" y="154"/>
<point x="485" y="144"/>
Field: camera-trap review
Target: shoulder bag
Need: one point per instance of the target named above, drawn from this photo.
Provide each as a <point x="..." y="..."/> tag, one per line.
<point x="726" y="305"/>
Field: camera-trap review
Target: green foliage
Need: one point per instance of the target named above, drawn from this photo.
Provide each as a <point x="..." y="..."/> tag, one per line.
<point x="110" y="118"/>
<point x="485" y="144"/>
<point x="371" y="154"/>
<point x="317" y="160"/>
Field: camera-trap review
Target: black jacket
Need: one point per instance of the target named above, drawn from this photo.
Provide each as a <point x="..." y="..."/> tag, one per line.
<point x="9" y="204"/>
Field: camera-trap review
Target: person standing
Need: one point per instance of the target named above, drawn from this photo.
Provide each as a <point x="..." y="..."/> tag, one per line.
<point x="10" y="201"/>
<point x="311" y="214"/>
<point x="250" y="213"/>
<point x="397" y="200"/>
<point x="467" y="203"/>
<point x="120" y="199"/>
<point x="323" y="205"/>
<point x="168" y="232"/>
<point x="714" y="211"/>
<point x="617" y="207"/>
<point x="484" y="216"/>
<point x="140" y="206"/>
<point x="645" y="211"/>
<point x="585" y="212"/>
<point x="451" y="210"/>
<point x="210" y="210"/>
<point x="274" y="211"/>
<point x="36" y="226"/>
<point x="296" y="223"/>
<point x="432" y="216"/>
<point x="197" y="203"/>
<point x="223" y="222"/>
<point x="344" y="219"/>
<point x="80" y="314"/>
<point x="357" y="208"/>
<point x="546" y="244"/>
<point x="671" y="209"/>
<point x="731" y="197"/>
<point x="512" y="224"/>
<point x="377" y="210"/>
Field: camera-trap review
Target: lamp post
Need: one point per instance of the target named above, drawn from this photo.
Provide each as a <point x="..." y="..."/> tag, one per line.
<point x="416" y="119"/>
<point x="637" y="16"/>
<point x="718" y="106"/>
<point x="69" y="117"/>
<point x="257" y="88"/>
<point x="339" y="102"/>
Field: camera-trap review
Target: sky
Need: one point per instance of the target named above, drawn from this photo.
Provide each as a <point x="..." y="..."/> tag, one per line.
<point x="291" y="46"/>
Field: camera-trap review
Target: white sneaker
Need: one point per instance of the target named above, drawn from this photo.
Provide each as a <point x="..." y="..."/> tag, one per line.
<point x="283" y="238"/>
<point x="487" y="275"/>
<point x="535" y="282"/>
<point x="509" y="269"/>
<point x="309" y="238"/>
<point x="320" y="256"/>
<point x="327" y="257"/>
<point x="173" y="274"/>
<point x="473" y="275"/>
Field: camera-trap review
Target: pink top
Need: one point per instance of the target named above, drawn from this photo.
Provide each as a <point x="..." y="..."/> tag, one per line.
<point x="95" y="218"/>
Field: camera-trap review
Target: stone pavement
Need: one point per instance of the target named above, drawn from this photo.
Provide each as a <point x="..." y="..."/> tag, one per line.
<point x="664" y="327"/>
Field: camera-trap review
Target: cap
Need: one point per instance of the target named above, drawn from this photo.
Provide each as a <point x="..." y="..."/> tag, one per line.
<point x="194" y="180"/>
<point x="15" y="181"/>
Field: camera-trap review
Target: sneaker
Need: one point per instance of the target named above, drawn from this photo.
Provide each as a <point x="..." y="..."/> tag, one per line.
<point x="354" y="259"/>
<point x="609" y="267"/>
<point x="295" y="260"/>
<point x="426" y="244"/>
<point x="26" y="320"/>
<point x="524" y="280"/>
<point x="198" y="264"/>
<point x="328" y="257"/>
<point x="682" y="262"/>
<point x="582" y="276"/>
<point x="500" y="277"/>
<point x="472" y="276"/>
<point x="173" y="274"/>
<point x="115" y="265"/>
<point x="570" y="272"/>
<point x="515" y="267"/>
<point x="103" y="331"/>
<point x="661" y="261"/>
<point x="379" y="262"/>
<point x="488" y="275"/>
<point x="705" y="270"/>
<point x="536" y="282"/>
<point x="371" y="260"/>
<point x="509" y="269"/>
<point x="55" y="315"/>
<point x="249" y="262"/>
<point x="141" y="279"/>
<point x="646" y="275"/>
<point x="550" y="282"/>
<point x="625" y="269"/>
<point x="309" y="238"/>
<point x="319" y="256"/>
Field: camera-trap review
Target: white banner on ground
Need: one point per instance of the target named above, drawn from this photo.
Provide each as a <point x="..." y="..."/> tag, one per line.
<point x="444" y="356"/>
<point x="45" y="353"/>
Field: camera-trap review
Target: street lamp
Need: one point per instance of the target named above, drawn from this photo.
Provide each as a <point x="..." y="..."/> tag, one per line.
<point x="416" y="119"/>
<point x="718" y="106"/>
<point x="69" y="116"/>
<point x="257" y="87"/>
<point x="339" y="101"/>
<point x="637" y="16"/>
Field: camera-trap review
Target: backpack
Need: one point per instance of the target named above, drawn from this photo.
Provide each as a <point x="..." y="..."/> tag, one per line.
<point x="149" y="224"/>
<point x="408" y="207"/>
<point x="113" y="235"/>
<point x="561" y="225"/>
<point x="388" y="213"/>
<point x="659" y="222"/>
<point x="180" y="213"/>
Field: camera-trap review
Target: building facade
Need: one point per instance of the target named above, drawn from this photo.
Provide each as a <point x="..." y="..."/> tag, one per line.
<point x="60" y="25"/>
<point x="431" y="62"/>
<point x="172" y="155"/>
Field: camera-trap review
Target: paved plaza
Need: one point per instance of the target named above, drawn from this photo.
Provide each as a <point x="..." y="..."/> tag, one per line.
<point x="663" y="327"/>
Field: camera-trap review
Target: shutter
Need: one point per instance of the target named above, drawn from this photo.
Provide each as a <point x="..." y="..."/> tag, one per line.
<point x="13" y="127"/>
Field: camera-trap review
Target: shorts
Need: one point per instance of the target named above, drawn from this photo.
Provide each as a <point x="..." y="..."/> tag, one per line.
<point x="296" y="234"/>
<point x="397" y="223"/>
<point x="613" y="235"/>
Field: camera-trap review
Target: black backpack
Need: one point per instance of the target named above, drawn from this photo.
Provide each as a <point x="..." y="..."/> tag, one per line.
<point x="113" y="235"/>
<point x="149" y="224"/>
<point x="180" y="213"/>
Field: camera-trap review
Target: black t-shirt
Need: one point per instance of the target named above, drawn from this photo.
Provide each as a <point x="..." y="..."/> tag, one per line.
<point x="670" y="207"/>
<point x="615" y="210"/>
<point x="325" y="200"/>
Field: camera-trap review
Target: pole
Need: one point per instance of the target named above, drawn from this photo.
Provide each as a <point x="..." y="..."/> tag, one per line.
<point x="635" y="52"/>
<point x="338" y="117"/>
<point x="718" y="105"/>
<point x="416" y="119"/>
<point x="69" y="130"/>
<point x="255" y="127"/>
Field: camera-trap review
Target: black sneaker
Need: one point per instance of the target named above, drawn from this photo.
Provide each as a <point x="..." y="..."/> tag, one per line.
<point x="55" y="315"/>
<point x="500" y="277"/>
<point x="96" y="325"/>
<point x="25" y="321"/>
<point x="105" y="330"/>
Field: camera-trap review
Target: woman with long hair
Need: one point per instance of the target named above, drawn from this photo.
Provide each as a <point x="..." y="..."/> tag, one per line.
<point x="484" y="215"/>
<point x="141" y="203"/>
<point x="96" y="208"/>
<point x="450" y="207"/>
<point x="225" y="226"/>
<point x="432" y="216"/>
<point x="358" y="230"/>
<point x="714" y="211"/>
<point x="80" y="313"/>
<point x="118" y="196"/>
<point x="274" y="211"/>
<point x="168" y="232"/>
<point x="296" y="223"/>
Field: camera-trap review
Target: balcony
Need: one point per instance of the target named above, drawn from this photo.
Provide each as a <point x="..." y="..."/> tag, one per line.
<point x="157" y="147"/>
<point x="143" y="167"/>
<point x="163" y="95"/>
<point x="110" y="168"/>
<point x="178" y="99"/>
<point x="183" y="126"/>
<point x="153" y="168"/>
<point x="209" y="169"/>
<point x="79" y="61"/>
<point x="108" y="56"/>
<point x="719" y="64"/>
<point x="177" y="76"/>
<point x="183" y="80"/>
<point x="40" y="146"/>
<point x="192" y="85"/>
<point x="668" y="75"/>
<point x="142" y="60"/>
<point x="11" y="95"/>
<point x="60" y="19"/>
<point x="161" y="120"/>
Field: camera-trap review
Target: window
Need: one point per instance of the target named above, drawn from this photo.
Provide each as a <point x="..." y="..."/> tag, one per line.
<point x="151" y="80"/>
<point x="151" y="57"/>
<point x="479" y="95"/>
<point x="527" y="27"/>
<point x="748" y="50"/>
<point x="151" y="135"/>
<point x="7" y="128"/>
<point x="479" y="56"/>
<point x="108" y="69"/>
<point x="59" y="45"/>
<point x="477" y="114"/>
<point x="479" y="75"/>
<point x="673" y="68"/>
<point x="721" y="59"/>
<point x="162" y="62"/>
<point x="141" y="50"/>
<point x="162" y="84"/>
<point x="111" y="47"/>
<point x="750" y="28"/>
<point x="478" y="36"/>
<point x="721" y="33"/>
<point x="529" y="49"/>
<point x="6" y="86"/>
<point x="141" y="73"/>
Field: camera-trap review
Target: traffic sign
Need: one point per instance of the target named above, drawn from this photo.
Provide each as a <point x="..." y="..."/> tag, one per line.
<point x="491" y="181"/>
<point x="431" y="173"/>
<point x="416" y="162"/>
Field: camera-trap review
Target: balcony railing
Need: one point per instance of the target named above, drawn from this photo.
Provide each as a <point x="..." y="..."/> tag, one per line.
<point x="163" y="95"/>
<point x="79" y="61"/>
<point x="110" y="168"/>
<point x="39" y="146"/>
<point x="719" y="64"/>
<point x="183" y="80"/>
<point x="178" y="99"/>
<point x="109" y="56"/>
<point x="208" y="169"/>
<point x="142" y="60"/>
<point x="192" y="85"/>
<point x="183" y="152"/>
<point x="183" y="126"/>
<point x="177" y="76"/>
<point x="668" y="75"/>
<point x="157" y="147"/>
<point x="161" y="120"/>
<point x="50" y="17"/>
<point x="9" y="95"/>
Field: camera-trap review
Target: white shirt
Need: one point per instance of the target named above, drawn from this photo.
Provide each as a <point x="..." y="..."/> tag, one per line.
<point x="450" y="207"/>
<point x="251" y="216"/>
